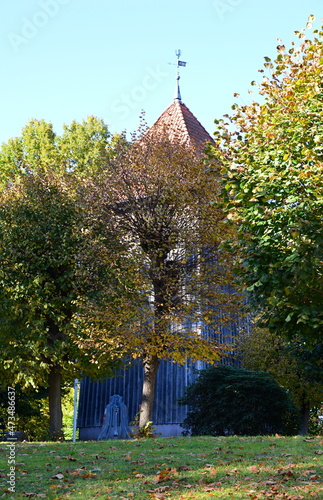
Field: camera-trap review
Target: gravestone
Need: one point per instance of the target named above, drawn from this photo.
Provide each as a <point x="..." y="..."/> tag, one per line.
<point x="115" y="425"/>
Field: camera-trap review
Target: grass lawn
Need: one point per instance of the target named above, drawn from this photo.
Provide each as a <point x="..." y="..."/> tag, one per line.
<point x="186" y="468"/>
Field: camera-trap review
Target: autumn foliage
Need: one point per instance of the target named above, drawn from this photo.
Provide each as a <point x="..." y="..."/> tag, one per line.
<point x="271" y="164"/>
<point x="158" y="198"/>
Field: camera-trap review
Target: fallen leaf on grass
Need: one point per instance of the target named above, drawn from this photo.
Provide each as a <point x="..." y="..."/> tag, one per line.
<point x="285" y="472"/>
<point x="212" y="486"/>
<point x="184" y="467"/>
<point x="160" y="489"/>
<point x="253" y="468"/>
<point x="82" y="473"/>
<point x="58" y="476"/>
<point x="319" y="452"/>
<point x="165" y="474"/>
<point x="159" y="493"/>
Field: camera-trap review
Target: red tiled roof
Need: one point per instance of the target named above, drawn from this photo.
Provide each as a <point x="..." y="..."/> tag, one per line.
<point x="179" y="124"/>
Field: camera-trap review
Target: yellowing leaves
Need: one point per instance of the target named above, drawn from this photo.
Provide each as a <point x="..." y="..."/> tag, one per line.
<point x="165" y="474"/>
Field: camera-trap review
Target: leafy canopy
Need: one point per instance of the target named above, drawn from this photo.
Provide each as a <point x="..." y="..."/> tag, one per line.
<point x="52" y="289"/>
<point x="271" y="162"/>
<point x="157" y="197"/>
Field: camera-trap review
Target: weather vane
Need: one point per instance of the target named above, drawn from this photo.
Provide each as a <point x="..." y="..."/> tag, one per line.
<point x="178" y="64"/>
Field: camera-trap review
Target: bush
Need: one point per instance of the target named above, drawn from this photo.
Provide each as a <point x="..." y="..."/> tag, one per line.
<point x="224" y="400"/>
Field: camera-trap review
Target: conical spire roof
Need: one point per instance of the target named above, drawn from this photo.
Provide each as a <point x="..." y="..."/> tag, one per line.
<point x="179" y="125"/>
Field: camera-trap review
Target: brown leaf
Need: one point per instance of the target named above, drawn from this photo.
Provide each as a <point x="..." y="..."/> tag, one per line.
<point x="165" y="474"/>
<point x="211" y="486"/>
<point x="71" y="459"/>
<point x="253" y="468"/>
<point x="184" y="467"/>
<point x="160" y="489"/>
<point x="285" y="472"/>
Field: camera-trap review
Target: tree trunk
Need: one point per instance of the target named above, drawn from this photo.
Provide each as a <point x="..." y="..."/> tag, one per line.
<point x="55" y="404"/>
<point x="150" y="364"/>
<point x="305" y="416"/>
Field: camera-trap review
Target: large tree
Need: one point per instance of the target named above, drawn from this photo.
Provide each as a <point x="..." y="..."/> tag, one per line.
<point x="157" y="196"/>
<point x="56" y="261"/>
<point x="271" y="163"/>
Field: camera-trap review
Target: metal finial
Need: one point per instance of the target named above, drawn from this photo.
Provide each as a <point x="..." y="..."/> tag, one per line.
<point x="179" y="63"/>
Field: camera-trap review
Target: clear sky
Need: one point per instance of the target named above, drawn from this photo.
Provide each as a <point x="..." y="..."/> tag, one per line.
<point x="63" y="60"/>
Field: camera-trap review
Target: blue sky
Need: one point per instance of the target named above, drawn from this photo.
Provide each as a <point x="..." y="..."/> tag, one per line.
<point x="63" y="60"/>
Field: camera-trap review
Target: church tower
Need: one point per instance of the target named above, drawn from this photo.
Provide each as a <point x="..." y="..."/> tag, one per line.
<point x="178" y="122"/>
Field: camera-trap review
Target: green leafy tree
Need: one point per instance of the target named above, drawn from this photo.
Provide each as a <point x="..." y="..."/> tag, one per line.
<point x="38" y="252"/>
<point x="227" y="400"/>
<point x="270" y="158"/>
<point x="82" y="149"/>
<point x="58" y="265"/>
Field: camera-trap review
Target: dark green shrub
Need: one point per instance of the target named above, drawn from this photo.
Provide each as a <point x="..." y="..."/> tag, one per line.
<point x="226" y="400"/>
<point x="31" y="411"/>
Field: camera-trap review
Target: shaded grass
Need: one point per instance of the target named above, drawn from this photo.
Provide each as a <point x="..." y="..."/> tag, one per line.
<point x="185" y="468"/>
